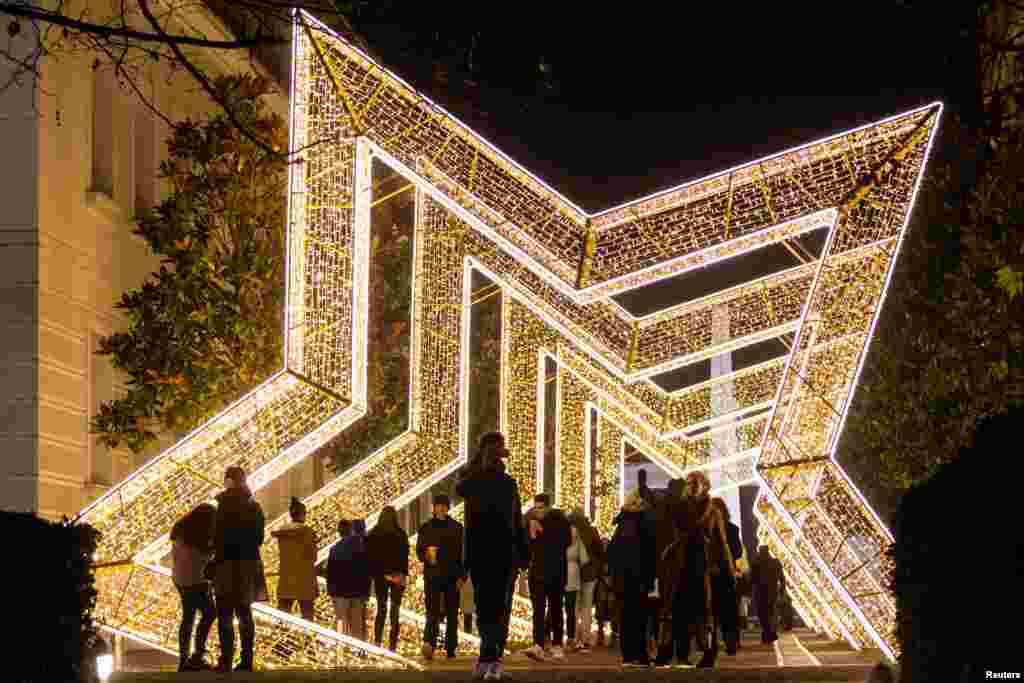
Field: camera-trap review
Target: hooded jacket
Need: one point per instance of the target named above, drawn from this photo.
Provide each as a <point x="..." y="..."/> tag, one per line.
<point x="297" y="580"/>
<point x="348" y="565"/>
<point x="494" y="518"/>
<point x="547" y="551"/>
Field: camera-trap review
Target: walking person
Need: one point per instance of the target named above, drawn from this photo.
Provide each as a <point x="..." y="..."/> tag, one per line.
<point x="297" y="550"/>
<point x="495" y="546"/>
<point x="767" y="579"/>
<point x="724" y="584"/>
<point x="549" y="535"/>
<point x="191" y="550"/>
<point x="591" y="560"/>
<point x="348" y="578"/>
<point x="387" y="546"/>
<point x="631" y="559"/>
<point x="439" y="547"/>
<point x="237" y="568"/>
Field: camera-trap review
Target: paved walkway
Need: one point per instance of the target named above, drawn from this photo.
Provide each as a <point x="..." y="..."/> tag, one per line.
<point x="799" y="656"/>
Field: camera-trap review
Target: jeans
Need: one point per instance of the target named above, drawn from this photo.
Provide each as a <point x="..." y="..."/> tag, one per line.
<point x="195" y="599"/>
<point x="305" y="607"/>
<point x="547" y="597"/>
<point x="493" y="588"/>
<point x="678" y="644"/>
<point x="435" y="589"/>
<point x="766" y="615"/>
<point x="385" y="609"/>
<point x="584" y="616"/>
<point x="633" y="629"/>
<point x="350" y="613"/>
<point x="570" y="615"/>
<point x="226" y="613"/>
<point x="727" y="609"/>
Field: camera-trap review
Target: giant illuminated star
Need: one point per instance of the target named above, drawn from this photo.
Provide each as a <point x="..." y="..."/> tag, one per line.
<point x="557" y="267"/>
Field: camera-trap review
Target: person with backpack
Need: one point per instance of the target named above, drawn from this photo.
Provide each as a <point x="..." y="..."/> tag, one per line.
<point x="297" y="550"/>
<point x="191" y="550"/>
<point x="495" y="547"/>
<point x="632" y="563"/>
<point x="439" y="547"/>
<point x="237" y="567"/>
<point x="388" y="549"/>
<point x="348" y="578"/>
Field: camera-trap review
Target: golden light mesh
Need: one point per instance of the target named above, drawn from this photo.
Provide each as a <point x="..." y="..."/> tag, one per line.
<point x="534" y="243"/>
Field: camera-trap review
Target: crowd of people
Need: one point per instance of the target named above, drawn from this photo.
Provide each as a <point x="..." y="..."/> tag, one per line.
<point x="672" y="575"/>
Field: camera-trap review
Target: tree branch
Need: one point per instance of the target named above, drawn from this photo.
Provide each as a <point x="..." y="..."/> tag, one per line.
<point x="207" y="86"/>
<point x="159" y="37"/>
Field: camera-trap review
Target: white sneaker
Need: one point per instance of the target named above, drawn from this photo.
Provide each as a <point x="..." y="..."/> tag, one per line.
<point x="536" y="653"/>
<point x="557" y="652"/>
<point x="494" y="672"/>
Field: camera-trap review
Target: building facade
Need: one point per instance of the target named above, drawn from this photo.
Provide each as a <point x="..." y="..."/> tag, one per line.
<point x="82" y="156"/>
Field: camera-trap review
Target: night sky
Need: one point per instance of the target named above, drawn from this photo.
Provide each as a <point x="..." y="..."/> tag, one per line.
<point x="650" y="93"/>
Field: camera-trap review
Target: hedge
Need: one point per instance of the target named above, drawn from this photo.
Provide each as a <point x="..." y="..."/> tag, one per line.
<point x="49" y="625"/>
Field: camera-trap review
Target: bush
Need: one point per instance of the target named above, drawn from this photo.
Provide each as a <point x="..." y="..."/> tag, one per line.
<point x="50" y="630"/>
<point x="959" y="562"/>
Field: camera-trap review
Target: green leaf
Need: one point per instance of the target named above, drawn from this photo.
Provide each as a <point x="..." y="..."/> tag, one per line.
<point x="1010" y="281"/>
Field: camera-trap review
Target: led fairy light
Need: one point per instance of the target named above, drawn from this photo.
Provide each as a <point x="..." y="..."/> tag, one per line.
<point x="704" y="257"/>
<point x="476" y="204"/>
<point x="407" y="125"/>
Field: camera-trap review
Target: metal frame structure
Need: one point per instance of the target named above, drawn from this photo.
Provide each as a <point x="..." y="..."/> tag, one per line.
<point x="557" y="267"/>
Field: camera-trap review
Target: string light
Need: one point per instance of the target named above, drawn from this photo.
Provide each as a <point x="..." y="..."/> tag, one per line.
<point x="477" y="209"/>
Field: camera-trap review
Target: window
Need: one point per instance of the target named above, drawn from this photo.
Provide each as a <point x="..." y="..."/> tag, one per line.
<point x="104" y="103"/>
<point x="145" y="165"/>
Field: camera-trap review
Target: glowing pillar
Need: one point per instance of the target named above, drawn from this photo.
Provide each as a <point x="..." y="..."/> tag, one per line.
<point x="723" y="401"/>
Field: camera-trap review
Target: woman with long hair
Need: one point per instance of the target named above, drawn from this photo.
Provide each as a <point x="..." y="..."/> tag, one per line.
<point x="191" y="550"/>
<point x="587" y="552"/>
<point x="388" y="548"/>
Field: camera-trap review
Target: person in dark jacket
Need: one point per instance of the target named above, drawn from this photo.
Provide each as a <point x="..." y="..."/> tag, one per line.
<point x="495" y="546"/>
<point x="439" y="547"/>
<point x="768" y="580"/>
<point x="348" y="578"/>
<point x="388" y="548"/>
<point x="191" y="550"/>
<point x="549" y="536"/>
<point x="724" y="584"/>
<point x="631" y="561"/>
<point x="237" y="567"/>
